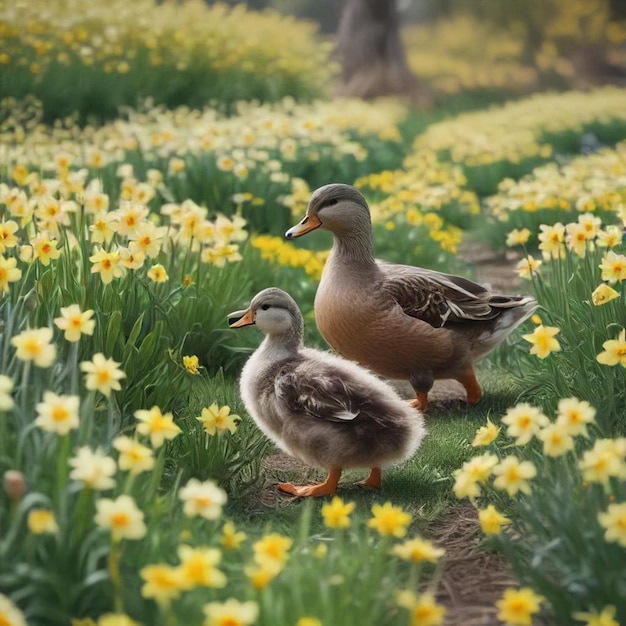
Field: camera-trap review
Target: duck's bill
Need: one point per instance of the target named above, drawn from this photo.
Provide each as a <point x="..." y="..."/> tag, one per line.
<point x="308" y="223"/>
<point x="244" y="318"/>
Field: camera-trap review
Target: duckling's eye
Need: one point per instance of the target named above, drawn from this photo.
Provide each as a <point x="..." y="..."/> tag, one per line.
<point x="265" y="306"/>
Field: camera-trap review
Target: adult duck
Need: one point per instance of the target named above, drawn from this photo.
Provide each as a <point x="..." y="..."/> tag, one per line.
<point x="403" y="322"/>
<point x="318" y="407"/>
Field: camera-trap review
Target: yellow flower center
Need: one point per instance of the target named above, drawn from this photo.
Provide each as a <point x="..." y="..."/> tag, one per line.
<point x="103" y="377"/>
<point x="120" y="519"/>
<point x="106" y="264"/>
<point x="4" y="620"/>
<point x="33" y="347"/>
<point x="229" y="620"/>
<point x="60" y="414"/>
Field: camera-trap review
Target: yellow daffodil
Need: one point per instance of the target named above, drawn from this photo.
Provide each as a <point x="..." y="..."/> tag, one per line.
<point x="423" y="609"/>
<point x="45" y="249"/>
<point x="574" y="415"/>
<point x="8" y="238"/>
<point x="217" y="419"/>
<point x="518" y="606"/>
<point x="9" y="273"/>
<point x="262" y="574"/>
<point x="527" y="267"/>
<point x="158" y="274"/>
<point x="512" y="475"/>
<point x="57" y="414"/>
<point x="418" y="550"/>
<point x="34" y="345"/>
<point x="524" y="422"/>
<point x="614" y="351"/>
<point x="486" y="434"/>
<point x="191" y="364"/>
<point x="121" y="517"/>
<point x="389" y="520"/>
<point x="41" y="522"/>
<point x="93" y="468"/>
<point x="614" y="523"/>
<point x="231" y="538"/>
<point x="552" y="241"/>
<point x="556" y="440"/>
<point x="606" y="617"/>
<point x="336" y="513"/>
<point x="606" y="459"/>
<point x="613" y="267"/>
<point x="309" y="621"/>
<point x="603" y="294"/>
<point x="159" y="427"/>
<point x="10" y="614"/>
<point x="543" y="340"/>
<point x="472" y="474"/>
<point x="198" y="567"/>
<point x="491" y="520"/>
<point x="115" y="619"/>
<point x="134" y="457"/>
<point x="6" y="387"/>
<point x="518" y="237"/>
<point x="272" y="547"/>
<point x="204" y="499"/>
<point x="107" y="264"/>
<point x="230" y="613"/>
<point x="102" y="374"/>
<point x="163" y="583"/>
<point x="75" y="322"/>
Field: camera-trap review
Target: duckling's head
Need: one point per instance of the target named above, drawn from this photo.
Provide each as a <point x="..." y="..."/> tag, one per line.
<point x="338" y="208"/>
<point x="274" y="312"/>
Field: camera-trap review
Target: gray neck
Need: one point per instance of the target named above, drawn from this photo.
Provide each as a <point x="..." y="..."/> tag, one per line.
<point x="356" y="249"/>
<point x="282" y="345"/>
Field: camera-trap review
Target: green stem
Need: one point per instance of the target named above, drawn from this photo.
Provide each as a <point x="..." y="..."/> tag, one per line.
<point x="114" y="574"/>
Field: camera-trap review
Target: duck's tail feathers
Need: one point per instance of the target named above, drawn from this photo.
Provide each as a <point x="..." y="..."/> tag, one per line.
<point x="514" y="310"/>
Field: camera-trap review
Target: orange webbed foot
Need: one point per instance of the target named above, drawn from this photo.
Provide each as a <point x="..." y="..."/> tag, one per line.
<point x="327" y="488"/>
<point x="421" y="402"/>
<point x="373" y="481"/>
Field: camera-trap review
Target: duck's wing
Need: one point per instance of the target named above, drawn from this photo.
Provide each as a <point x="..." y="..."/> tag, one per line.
<point x="319" y="391"/>
<point x="438" y="298"/>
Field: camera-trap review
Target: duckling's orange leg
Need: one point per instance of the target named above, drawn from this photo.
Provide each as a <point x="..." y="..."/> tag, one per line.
<point x="327" y="488"/>
<point x="373" y="481"/>
<point x="421" y="402"/>
<point x="472" y="388"/>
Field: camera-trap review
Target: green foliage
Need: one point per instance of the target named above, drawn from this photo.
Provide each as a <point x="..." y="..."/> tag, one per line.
<point x="564" y="288"/>
<point x="90" y="59"/>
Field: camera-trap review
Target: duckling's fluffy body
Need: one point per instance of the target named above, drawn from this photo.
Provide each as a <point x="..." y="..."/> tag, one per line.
<point x="401" y="321"/>
<point x="318" y="407"/>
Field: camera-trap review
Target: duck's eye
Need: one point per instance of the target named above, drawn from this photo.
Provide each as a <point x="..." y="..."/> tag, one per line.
<point x="265" y="306"/>
<point x="331" y="202"/>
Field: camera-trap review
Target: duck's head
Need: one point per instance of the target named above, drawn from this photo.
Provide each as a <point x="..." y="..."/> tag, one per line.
<point x="338" y="208"/>
<point x="273" y="311"/>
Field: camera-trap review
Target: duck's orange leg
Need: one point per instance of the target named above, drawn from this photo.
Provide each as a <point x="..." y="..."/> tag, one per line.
<point x="374" y="480"/>
<point x="421" y="402"/>
<point x="327" y="488"/>
<point x="472" y="388"/>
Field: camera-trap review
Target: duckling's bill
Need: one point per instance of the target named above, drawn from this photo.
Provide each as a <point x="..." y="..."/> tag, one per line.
<point x="245" y="318"/>
<point x="306" y="225"/>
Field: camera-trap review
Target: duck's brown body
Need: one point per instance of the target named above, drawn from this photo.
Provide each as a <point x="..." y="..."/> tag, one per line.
<point x="402" y="322"/>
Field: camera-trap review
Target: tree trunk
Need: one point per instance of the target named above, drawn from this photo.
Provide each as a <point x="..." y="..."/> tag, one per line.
<point x="371" y="53"/>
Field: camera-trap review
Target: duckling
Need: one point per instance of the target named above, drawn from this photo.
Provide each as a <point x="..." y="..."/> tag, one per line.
<point x="318" y="407"/>
<point x="402" y="322"/>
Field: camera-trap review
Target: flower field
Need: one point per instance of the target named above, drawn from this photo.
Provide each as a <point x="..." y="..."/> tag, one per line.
<point x="135" y="486"/>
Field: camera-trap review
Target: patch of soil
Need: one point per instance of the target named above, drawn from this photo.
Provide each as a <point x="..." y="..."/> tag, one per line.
<point x="473" y="578"/>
